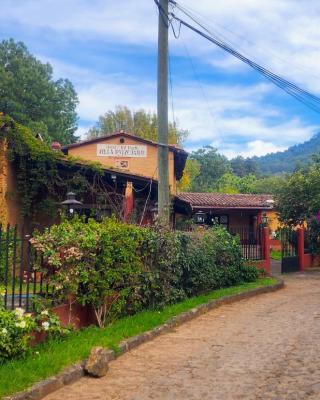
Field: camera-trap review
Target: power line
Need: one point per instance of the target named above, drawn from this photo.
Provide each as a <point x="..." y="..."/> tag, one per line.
<point x="295" y="91"/>
<point x="190" y="10"/>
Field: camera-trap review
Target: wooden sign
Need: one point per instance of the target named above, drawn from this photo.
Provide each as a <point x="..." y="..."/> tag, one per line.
<point x="121" y="150"/>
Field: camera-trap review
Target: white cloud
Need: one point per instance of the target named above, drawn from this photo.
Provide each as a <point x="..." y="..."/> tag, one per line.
<point x="281" y="34"/>
<point x="233" y="115"/>
<point x="254" y="148"/>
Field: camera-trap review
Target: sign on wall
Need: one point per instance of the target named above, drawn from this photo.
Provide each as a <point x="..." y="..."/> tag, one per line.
<point x="121" y="150"/>
<point x="121" y="164"/>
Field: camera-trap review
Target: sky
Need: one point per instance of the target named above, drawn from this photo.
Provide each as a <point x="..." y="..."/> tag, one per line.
<point x="108" y="50"/>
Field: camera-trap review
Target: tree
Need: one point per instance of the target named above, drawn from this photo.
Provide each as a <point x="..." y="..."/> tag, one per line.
<point x="140" y="123"/>
<point x="298" y="199"/>
<point x="230" y="183"/>
<point x="244" y="166"/>
<point x="191" y="171"/>
<point x="268" y="184"/>
<point x="212" y="166"/>
<point x="30" y="95"/>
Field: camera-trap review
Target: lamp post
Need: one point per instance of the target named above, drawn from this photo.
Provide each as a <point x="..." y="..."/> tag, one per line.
<point x="71" y="203"/>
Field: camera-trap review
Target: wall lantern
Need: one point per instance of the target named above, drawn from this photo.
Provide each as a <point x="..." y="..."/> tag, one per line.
<point x="154" y="212"/>
<point x="71" y="203"/>
<point x="264" y="219"/>
<point x="200" y="217"/>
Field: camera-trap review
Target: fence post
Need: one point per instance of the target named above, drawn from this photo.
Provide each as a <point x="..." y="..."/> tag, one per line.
<point x="266" y="248"/>
<point x="300" y="249"/>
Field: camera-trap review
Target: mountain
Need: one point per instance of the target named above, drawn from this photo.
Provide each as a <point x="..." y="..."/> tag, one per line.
<point x="288" y="160"/>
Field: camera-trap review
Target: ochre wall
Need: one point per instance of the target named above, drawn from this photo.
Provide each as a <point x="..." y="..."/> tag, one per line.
<point x="273" y="220"/>
<point x="9" y="203"/>
<point x="146" y="166"/>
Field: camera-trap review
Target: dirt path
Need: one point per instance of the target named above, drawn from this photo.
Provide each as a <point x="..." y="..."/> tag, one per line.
<point x="266" y="347"/>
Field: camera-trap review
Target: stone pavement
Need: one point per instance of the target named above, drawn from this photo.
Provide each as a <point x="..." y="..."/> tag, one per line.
<point x="267" y="348"/>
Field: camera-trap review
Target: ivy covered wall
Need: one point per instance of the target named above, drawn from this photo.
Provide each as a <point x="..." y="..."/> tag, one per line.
<point x="43" y="178"/>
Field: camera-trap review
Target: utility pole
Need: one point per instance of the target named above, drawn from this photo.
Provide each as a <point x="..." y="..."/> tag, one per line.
<point x="162" y="99"/>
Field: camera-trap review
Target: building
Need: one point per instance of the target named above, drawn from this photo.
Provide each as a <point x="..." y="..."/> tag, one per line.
<point x="120" y="169"/>
<point x="129" y="153"/>
<point x="233" y="211"/>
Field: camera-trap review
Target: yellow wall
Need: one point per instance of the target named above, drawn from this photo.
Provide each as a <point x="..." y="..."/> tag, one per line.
<point x="9" y="203"/>
<point x="146" y="166"/>
<point x="273" y="220"/>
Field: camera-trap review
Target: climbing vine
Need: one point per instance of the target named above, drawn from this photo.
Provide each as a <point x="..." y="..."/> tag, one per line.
<point x="44" y="176"/>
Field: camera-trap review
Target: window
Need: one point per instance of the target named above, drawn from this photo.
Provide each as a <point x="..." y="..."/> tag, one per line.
<point x="220" y="219"/>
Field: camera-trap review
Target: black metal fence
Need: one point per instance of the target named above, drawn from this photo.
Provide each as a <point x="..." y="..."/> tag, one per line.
<point x="289" y="250"/>
<point x="20" y="281"/>
<point x="251" y="240"/>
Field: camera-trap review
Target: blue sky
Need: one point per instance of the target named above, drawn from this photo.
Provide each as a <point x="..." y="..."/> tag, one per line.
<point x="108" y="50"/>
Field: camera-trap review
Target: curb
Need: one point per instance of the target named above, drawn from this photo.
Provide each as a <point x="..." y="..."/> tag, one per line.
<point x="77" y="371"/>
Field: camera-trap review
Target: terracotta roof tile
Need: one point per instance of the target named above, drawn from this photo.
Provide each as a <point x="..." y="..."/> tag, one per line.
<point x="220" y="200"/>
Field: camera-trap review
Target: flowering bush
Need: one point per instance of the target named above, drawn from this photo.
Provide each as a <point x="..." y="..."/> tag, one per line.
<point x="16" y="328"/>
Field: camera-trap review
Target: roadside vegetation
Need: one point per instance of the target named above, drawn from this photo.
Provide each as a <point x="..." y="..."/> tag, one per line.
<point x="51" y="357"/>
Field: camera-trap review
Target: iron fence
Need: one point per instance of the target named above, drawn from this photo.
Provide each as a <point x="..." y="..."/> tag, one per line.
<point x="20" y="281"/>
<point x="251" y="241"/>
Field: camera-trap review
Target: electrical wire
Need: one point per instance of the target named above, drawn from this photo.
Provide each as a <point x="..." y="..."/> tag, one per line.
<point x="241" y="37"/>
<point x="295" y="91"/>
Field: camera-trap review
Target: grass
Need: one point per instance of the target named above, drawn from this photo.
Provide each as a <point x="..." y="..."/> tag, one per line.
<point x="276" y="255"/>
<point x="50" y="358"/>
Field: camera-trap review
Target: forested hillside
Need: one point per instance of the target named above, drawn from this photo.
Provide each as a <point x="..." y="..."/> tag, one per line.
<point x="289" y="160"/>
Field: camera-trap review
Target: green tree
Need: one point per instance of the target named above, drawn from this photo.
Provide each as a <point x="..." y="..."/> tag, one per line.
<point x="298" y="199"/>
<point x="212" y="167"/>
<point x="244" y="166"/>
<point x="230" y="183"/>
<point x="269" y="184"/>
<point x="30" y="95"/>
<point x="140" y="123"/>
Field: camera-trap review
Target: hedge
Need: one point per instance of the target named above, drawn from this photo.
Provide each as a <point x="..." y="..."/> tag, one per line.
<point x="120" y="269"/>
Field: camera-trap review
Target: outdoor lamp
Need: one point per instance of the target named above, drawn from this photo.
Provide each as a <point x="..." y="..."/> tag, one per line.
<point x="154" y="212"/>
<point x="264" y="219"/>
<point x="71" y="203"/>
<point x="200" y="217"/>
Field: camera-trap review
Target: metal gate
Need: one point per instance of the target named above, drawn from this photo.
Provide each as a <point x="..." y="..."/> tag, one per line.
<point x="289" y="250"/>
<point x="20" y="281"/>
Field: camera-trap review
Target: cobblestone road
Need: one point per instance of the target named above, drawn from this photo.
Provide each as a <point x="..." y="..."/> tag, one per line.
<point x="267" y="347"/>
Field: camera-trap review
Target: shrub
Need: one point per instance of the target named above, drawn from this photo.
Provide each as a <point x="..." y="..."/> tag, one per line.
<point x="15" y="329"/>
<point x="212" y="259"/>
<point x="119" y="268"/>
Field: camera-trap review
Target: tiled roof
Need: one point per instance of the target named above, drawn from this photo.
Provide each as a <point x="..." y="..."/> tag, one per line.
<point x="220" y="200"/>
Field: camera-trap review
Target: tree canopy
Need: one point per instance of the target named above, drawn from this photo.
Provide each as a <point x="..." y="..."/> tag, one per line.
<point x="30" y="95"/>
<point x="140" y="123"/>
<point x="212" y="167"/>
<point x="298" y="199"/>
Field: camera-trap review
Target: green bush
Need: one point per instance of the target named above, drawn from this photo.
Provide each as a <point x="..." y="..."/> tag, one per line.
<point x="212" y="259"/>
<point x="120" y="269"/>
